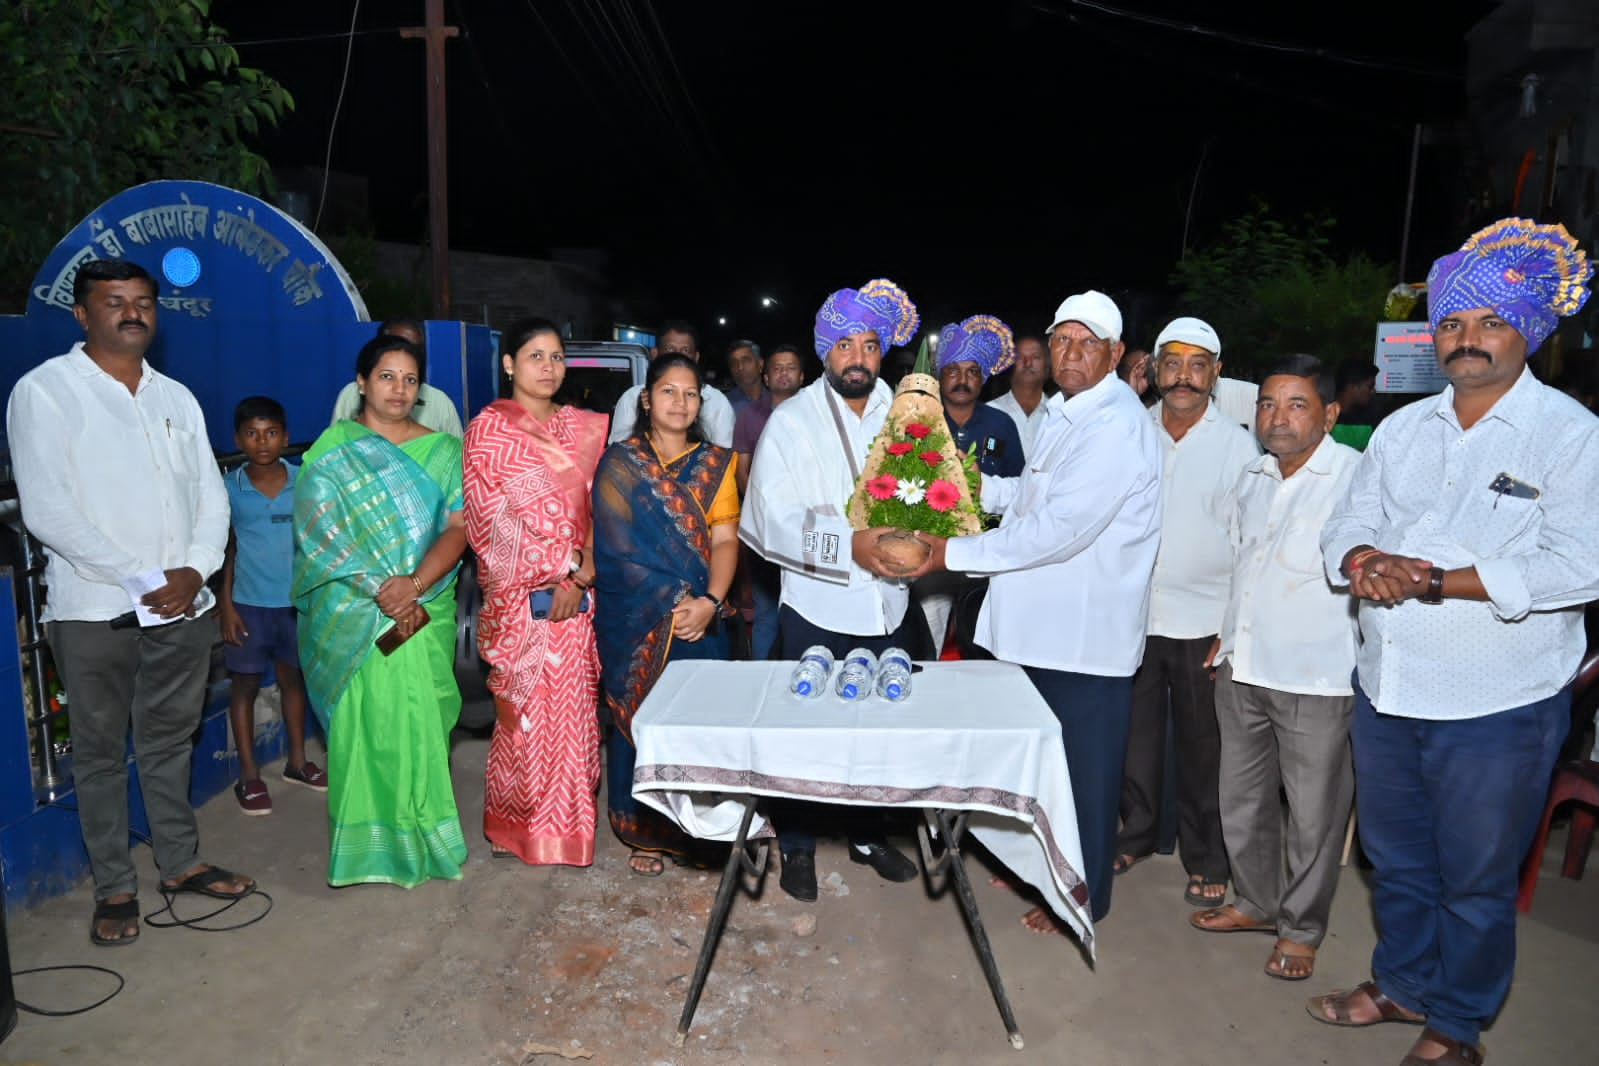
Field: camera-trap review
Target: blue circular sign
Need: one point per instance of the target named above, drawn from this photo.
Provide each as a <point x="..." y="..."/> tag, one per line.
<point x="181" y="267"/>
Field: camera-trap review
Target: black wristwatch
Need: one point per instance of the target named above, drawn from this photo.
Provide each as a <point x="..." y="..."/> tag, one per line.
<point x="1435" y="587"/>
<point x="716" y="604"/>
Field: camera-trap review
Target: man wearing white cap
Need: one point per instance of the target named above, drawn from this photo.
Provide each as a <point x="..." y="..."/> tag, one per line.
<point x="1069" y="567"/>
<point x="1204" y="455"/>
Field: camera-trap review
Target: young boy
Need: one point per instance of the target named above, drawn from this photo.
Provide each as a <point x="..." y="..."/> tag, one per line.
<point x="257" y="618"/>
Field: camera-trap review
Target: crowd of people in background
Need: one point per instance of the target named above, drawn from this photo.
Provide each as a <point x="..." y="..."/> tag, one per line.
<point x="1228" y="607"/>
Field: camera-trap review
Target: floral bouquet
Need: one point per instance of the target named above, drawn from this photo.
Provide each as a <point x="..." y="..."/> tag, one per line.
<point x="915" y="479"/>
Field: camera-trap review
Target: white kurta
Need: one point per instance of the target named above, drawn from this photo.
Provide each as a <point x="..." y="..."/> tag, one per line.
<point x="1069" y="565"/>
<point x="794" y="511"/>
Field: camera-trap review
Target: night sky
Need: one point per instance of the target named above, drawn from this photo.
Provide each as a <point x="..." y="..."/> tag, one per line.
<point x="989" y="156"/>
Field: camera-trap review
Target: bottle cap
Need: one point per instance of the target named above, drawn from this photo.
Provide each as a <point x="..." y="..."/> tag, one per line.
<point x="892" y="690"/>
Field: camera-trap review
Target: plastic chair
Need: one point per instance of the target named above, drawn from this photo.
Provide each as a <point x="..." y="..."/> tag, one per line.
<point x="1574" y="782"/>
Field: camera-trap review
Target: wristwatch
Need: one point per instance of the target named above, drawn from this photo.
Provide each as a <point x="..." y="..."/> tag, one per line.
<point x="716" y="602"/>
<point x="577" y="561"/>
<point x="1435" y="587"/>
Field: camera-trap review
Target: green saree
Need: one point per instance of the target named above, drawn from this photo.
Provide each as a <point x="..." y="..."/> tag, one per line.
<point x="364" y="511"/>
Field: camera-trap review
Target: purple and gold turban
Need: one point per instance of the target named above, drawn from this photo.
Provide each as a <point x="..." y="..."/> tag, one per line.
<point x="981" y="339"/>
<point x="878" y="305"/>
<point x="1532" y="275"/>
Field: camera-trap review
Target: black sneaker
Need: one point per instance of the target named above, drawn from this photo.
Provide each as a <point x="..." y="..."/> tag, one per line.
<point x="889" y="864"/>
<point x="798" y="878"/>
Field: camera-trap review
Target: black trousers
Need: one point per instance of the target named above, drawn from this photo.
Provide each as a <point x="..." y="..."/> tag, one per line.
<point x="1174" y="680"/>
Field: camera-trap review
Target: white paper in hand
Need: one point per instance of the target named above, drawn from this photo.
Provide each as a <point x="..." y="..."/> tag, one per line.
<point x="148" y="581"/>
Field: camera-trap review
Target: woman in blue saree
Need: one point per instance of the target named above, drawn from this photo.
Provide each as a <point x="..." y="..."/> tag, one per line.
<point x="379" y="536"/>
<point x="665" y="548"/>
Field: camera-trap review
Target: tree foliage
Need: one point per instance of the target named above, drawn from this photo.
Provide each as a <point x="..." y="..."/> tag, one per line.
<point x="1271" y="289"/>
<point x="99" y="95"/>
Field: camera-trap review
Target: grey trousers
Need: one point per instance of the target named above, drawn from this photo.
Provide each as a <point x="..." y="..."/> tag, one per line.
<point x="154" y="679"/>
<point x="1272" y="739"/>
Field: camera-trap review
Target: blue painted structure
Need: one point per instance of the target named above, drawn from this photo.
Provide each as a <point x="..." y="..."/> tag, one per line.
<point x="251" y="302"/>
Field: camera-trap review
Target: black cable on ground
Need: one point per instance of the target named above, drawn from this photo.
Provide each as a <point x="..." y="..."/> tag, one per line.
<point x="107" y="998"/>
<point x="150" y="920"/>
<point x="195" y="923"/>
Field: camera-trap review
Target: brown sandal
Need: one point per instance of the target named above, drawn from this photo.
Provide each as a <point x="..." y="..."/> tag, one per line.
<point x="1456" y="1052"/>
<point x="1228" y="919"/>
<point x="1288" y="951"/>
<point x="1387" y="1009"/>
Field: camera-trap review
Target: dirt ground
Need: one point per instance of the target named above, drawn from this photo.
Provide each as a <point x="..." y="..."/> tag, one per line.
<point x="516" y="964"/>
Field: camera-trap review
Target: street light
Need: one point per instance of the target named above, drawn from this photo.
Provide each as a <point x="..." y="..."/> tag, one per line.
<point x="768" y="301"/>
<point x="721" y="320"/>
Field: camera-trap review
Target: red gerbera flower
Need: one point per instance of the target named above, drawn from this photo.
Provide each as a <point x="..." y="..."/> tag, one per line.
<point x="918" y="430"/>
<point x="900" y="447"/>
<point x="883" y="487"/>
<point x="942" y="495"/>
<point x="932" y="458"/>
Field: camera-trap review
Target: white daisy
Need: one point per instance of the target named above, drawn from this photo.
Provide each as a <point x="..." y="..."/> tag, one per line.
<point x="912" y="490"/>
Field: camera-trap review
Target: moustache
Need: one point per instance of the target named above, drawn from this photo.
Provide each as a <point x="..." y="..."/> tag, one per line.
<point x="132" y="323"/>
<point x="1462" y="353"/>
<point x="1179" y="388"/>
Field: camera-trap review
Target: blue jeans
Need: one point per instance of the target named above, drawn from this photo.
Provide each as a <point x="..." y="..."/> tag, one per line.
<point x="1095" y="714"/>
<point x="765" y="579"/>
<point x="1447" y="810"/>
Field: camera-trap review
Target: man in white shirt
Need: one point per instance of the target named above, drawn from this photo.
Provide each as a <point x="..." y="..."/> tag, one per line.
<point x="1470" y="536"/>
<point x="1069" y="568"/>
<point x="116" y="477"/>
<point x="838" y="590"/>
<point x="434" y="409"/>
<point x="1204" y="453"/>
<point x="1284" y="659"/>
<point x="716" y="413"/>
<point x="1025" y="400"/>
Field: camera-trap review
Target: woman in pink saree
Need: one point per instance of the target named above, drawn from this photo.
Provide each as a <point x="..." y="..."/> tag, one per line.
<point x="529" y="471"/>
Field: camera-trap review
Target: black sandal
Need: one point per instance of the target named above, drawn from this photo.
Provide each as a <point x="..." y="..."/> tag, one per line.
<point x="126" y="912"/>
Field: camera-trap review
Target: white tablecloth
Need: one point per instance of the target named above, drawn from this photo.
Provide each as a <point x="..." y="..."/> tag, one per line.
<point x="973" y="736"/>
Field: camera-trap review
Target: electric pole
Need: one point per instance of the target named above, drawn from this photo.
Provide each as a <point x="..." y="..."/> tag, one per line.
<point x="434" y="34"/>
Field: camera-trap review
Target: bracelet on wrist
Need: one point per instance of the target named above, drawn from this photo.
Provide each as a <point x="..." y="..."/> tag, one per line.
<point x="1435" y="587"/>
<point x="417" y="582"/>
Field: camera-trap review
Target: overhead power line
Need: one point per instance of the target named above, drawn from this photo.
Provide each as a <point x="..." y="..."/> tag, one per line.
<point x="1244" y="40"/>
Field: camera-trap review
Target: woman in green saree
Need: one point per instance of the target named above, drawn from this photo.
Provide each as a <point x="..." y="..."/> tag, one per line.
<point x="379" y="536"/>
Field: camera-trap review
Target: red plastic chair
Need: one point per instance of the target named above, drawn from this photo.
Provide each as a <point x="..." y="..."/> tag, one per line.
<point x="1574" y="782"/>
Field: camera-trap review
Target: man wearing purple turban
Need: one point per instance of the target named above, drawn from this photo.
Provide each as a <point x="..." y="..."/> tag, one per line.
<point x="1470" y="536"/>
<point x="969" y="353"/>
<point x="837" y="590"/>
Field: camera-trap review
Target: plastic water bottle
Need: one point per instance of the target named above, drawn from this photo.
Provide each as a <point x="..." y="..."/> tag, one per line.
<point x="855" y="677"/>
<point x="894" y="674"/>
<point x="809" y="679"/>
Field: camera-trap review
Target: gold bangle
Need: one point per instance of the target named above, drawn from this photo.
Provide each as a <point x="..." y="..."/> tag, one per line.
<point x="418" y="583"/>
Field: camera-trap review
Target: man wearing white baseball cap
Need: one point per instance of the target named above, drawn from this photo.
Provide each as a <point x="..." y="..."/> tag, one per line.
<point x="1204" y="455"/>
<point x="1069" y="567"/>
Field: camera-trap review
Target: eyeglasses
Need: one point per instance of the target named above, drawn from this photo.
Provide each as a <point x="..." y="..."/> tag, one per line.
<point x="1089" y="343"/>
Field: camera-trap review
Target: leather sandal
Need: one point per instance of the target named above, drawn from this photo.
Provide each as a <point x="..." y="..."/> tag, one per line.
<point x="1387" y="1009"/>
<point x="1456" y="1052"/>
<point x="1228" y="919"/>
<point x="1287" y="951"/>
